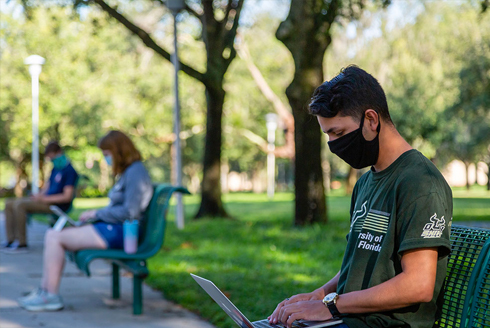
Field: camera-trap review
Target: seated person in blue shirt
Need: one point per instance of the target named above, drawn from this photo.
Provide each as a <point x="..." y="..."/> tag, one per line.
<point x="58" y="191"/>
<point x="129" y="198"/>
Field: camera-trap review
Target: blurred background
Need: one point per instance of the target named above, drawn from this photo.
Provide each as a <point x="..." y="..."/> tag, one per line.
<point x="240" y="61"/>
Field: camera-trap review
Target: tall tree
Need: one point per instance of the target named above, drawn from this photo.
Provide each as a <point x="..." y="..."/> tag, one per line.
<point x="219" y="20"/>
<point x="306" y="32"/>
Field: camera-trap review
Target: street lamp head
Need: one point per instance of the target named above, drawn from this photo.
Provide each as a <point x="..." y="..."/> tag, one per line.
<point x="34" y="60"/>
<point x="34" y="63"/>
<point x="271" y="121"/>
<point x="175" y="5"/>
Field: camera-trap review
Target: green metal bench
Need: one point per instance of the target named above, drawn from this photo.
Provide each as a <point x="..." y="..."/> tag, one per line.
<point x="477" y="303"/>
<point x="470" y="252"/>
<point x="153" y="232"/>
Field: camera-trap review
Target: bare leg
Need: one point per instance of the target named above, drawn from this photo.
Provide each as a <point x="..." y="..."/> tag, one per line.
<point x="55" y="244"/>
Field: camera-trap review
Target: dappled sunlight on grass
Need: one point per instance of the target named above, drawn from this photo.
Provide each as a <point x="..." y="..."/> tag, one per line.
<point x="89" y="203"/>
<point x="471" y="209"/>
<point x="474" y="192"/>
<point x="259" y="253"/>
<point x="298" y="277"/>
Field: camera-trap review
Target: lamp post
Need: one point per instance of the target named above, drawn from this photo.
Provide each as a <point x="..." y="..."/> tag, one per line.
<point x="271" y="123"/>
<point x="35" y="63"/>
<point x="176" y="6"/>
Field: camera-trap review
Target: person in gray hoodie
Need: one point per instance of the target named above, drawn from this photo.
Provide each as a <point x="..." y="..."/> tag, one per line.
<point x="129" y="198"/>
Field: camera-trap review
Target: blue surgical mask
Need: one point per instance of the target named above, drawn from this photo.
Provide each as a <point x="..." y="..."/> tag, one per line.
<point x="108" y="159"/>
<point x="60" y="162"/>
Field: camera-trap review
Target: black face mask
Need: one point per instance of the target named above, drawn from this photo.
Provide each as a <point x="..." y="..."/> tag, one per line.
<point x="355" y="150"/>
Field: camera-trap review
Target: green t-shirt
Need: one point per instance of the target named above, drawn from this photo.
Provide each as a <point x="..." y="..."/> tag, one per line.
<point x="406" y="206"/>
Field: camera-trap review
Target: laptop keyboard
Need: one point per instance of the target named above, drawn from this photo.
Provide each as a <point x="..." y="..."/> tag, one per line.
<point x="265" y="324"/>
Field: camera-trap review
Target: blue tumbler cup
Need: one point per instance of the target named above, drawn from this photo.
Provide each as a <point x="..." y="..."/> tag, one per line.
<point x="130" y="229"/>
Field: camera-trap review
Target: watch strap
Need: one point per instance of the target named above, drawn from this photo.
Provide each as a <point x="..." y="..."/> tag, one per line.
<point x="333" y="309"/>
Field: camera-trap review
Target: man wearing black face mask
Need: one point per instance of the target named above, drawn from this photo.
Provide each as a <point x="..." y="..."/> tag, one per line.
<point x="401" y="211"/>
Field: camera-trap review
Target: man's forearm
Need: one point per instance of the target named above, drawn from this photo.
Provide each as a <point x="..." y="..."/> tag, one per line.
<point x="65" y="197"/>
<point x="414" y="285"/>
<point x="390" y="295"/>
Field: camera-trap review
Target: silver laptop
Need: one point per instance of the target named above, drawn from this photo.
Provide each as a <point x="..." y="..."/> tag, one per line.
<point x="241" y="320"/>
<point x="63" y="218"/>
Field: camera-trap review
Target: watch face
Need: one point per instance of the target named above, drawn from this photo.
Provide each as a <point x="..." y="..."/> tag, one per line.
<point x="330" y="297"/>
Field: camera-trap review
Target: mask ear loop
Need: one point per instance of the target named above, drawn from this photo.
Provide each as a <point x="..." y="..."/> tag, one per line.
<point x="378" y="129"/>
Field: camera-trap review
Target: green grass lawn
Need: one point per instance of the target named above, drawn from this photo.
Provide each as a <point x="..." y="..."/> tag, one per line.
<point x="259" y="258"/>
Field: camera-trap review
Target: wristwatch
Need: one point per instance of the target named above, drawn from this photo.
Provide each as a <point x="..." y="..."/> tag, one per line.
<point x="330" y="302"/>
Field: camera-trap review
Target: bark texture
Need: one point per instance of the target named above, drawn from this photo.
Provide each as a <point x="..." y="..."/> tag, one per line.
<point x="306" y="33"/>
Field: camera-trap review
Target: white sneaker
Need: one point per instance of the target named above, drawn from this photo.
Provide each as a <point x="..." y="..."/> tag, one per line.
<point x="31" y="294"/>
<point x="41" y="300"/>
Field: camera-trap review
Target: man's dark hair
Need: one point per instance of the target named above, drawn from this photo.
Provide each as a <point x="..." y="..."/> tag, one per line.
<point x="52" y="147"/>
<point x="350" y="93"/>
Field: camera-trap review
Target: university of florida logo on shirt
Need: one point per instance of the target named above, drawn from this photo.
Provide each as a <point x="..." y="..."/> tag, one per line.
<point x="373" y="224"/>
<point x="434" y="228"/>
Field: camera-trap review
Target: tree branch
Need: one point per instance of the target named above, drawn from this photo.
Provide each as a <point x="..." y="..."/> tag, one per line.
<point x="230" y="33"/>
<point x="147" y="40"/>
<point x="262" y="84"/>
<point x="281" y="152"/>
<point x="287" y="151"/>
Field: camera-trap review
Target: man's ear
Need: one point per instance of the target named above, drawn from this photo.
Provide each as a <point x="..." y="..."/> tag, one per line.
<point x="373" y="118"/>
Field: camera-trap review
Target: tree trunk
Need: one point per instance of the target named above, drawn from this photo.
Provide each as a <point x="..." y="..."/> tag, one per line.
<point x="467" y="168"/>
<point x="310" y="205"/>
<point x="488" y="176"/>
<point x="305" y="32"/>
<point x="211" y="204"/>
<point x="218" y="34"/>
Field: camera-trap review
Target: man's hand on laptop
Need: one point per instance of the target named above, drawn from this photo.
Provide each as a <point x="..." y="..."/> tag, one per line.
<point x="297" y="307"/>
<point x="307" y="310"/>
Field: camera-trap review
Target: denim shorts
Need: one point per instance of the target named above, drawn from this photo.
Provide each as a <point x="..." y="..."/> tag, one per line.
<point x="111" y="233"/>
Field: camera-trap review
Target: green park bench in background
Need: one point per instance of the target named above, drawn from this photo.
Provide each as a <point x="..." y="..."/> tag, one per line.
<point x="153" y="232"/>
<point x="467" y="286"/>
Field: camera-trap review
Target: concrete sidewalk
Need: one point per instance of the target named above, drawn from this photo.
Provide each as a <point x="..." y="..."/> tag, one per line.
<point x="88" y="301"/>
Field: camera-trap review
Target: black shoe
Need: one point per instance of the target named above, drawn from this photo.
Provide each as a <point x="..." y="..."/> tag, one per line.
<point x="15" y="249"/>
<point x="6" y="244"/>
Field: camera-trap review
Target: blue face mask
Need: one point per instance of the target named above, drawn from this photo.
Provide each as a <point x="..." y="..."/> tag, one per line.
<point x="108" y="159"/>
<point x="60" y="162"/>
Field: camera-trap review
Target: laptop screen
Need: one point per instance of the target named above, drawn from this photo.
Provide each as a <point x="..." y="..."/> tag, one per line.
<point x="223" y="302"/>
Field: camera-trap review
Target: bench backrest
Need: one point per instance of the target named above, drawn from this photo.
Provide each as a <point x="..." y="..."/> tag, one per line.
<point x="153" y="225"/>
<point x="478" y="297"/>
<point x="467" y="244"/>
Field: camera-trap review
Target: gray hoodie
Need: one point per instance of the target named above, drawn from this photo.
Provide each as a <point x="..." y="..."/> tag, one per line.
<point x="129" y="196"/>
